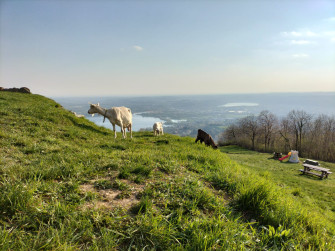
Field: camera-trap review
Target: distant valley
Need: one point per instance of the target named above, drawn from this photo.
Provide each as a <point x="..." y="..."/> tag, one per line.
<point x="184" y="115"/>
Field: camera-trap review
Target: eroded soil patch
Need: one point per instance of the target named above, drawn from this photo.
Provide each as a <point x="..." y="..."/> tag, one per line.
<point x="113" y="198"/>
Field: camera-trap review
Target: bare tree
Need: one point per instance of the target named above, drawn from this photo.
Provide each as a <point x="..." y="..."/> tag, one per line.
<point x="329" y="139"/>
<point x="315" y="137"/>
<point x="299" y="121"/>
<point x="229" y="135"/>
<point x="284" y="132"/>
<point x="249" y="126"/>
<point x="267" y="122"/>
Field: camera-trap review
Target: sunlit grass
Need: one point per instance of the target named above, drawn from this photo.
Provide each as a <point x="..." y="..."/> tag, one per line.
<point x="67" y="184"/>
<point x="310" y="189"/>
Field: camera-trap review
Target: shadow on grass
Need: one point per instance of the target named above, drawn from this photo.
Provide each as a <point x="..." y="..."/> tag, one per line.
<point x="311" y="176"/>
<point x="144" y="135"/>
<point x="116" y="147"/>
<point x="162" y="142"/>
<point x="86" y="127"/>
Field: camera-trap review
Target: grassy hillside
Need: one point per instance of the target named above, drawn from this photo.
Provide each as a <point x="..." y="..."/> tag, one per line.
<point x="66" y="183"/>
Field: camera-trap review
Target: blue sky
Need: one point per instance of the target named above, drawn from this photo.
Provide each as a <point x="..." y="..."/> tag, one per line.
<point x="76" y="48"/>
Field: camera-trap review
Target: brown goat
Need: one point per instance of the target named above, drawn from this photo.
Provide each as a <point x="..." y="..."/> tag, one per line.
<point x="205" y="137"/>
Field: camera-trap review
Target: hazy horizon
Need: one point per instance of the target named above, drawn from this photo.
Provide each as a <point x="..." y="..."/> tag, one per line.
<point x="182" y="95"/>
<point x="145" y="48"/>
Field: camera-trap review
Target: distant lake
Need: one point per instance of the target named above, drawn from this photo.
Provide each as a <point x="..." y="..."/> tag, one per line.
<point x="239" y="104"/>
<point x="139" y="122"/>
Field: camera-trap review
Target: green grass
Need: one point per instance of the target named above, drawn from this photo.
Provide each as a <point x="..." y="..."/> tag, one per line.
<point x="67" y="184"/>
<point x="310" y="189"/>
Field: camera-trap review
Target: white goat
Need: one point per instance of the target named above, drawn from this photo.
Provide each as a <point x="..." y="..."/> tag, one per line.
<point x="158" y="128"/>
<point x="120" y="116"/>
<point x="78" y="115"/>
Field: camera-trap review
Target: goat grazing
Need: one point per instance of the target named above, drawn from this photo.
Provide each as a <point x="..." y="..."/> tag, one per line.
<point x="205" y="137"/>
<point x="120" y="116"/>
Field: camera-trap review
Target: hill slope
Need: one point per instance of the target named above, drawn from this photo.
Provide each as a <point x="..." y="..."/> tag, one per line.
<point x="68" y="184"/>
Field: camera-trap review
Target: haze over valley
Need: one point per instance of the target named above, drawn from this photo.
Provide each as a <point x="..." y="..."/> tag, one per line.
<point x="184" y="115"/>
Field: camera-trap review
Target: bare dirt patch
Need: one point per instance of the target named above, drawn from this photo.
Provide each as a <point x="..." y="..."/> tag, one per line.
<point x="112" y="198"/>
<point x="87" y="188"/>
